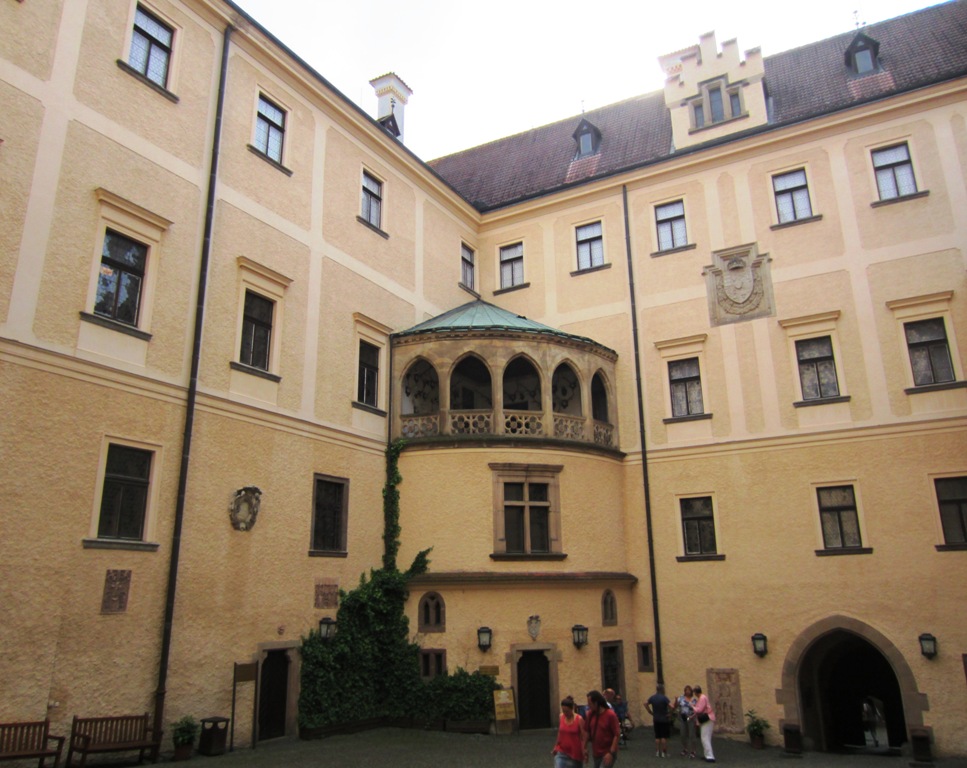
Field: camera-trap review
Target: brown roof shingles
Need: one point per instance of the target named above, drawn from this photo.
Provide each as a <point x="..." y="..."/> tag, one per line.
<point x="916" y="50"/>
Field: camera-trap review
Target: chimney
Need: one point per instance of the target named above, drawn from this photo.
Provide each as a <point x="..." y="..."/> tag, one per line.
<point x="393" y="94"/>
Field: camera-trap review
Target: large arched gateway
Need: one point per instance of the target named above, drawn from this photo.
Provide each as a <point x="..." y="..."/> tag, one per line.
<point x="848" y="687"/>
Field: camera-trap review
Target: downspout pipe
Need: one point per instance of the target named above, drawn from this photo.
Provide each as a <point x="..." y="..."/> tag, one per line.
<point x="160" y="692"/>
<point x="642" y="436"/>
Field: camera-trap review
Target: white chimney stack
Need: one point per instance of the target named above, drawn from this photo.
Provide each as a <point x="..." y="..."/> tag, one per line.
<point x="393" y="94"/>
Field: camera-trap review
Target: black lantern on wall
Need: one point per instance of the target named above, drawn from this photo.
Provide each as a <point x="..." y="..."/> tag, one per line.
<point x="485" y="637"/>
<point x="327" y="628"/>
<point x="579" y="633"/>
<point x="760" y="644"/>
<point x="928" y="645"/>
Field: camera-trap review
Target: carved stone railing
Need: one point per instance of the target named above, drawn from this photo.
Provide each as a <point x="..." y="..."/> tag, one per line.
<point x="568" y="427"/>
<point x="472" y="422"/>
<point x="604" y="434"/>
<point x="420" y="426"/>
<point x="524" y="423"/>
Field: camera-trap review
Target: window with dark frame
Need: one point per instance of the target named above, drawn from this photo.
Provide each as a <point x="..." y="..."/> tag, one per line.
<point x="150" y="52"/>
<point x="609" y="609"/>
<point x="698" y="525"/>
<point x="330" y="514"/>
<point x="952" y="499"/>
<point x="817" y="368"/>
<point x="670" y="221"/>
<point x="121" y="278"/>
<point x="269" y="129"/>
<point x="698" y="114"/>
<point x="527" y="517"/>
<point x="646" y="659"/>
<point x="792" y="196"/>
<point x="894" y="172"/>
<point x="368" y="383"/>
<point x="511" y="265"/>
<point x="124" y="498"/>
<point x="256" y="331"/>
<point x="590" y="245"/>
<point x="432" y="613"/>
<point x="715" y="105"/>
<point x="467" y="265"/>
<point x="433" y="663"/>
<point x="685" y="382"/>
<point x="372" y="200"/>
<point x="838" y="516"/>
<point x="929" y="352"/>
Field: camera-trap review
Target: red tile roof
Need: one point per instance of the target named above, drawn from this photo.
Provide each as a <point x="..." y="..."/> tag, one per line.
<point x="916" y="50"/>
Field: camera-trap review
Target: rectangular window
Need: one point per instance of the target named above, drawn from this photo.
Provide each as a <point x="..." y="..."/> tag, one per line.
<point x="256" y="331"/>
<point x="735" y="103"/>
<point x="511" y="265"/>
<point x="372" y="200"/>
<point x="792" y="196"/>
<point x="526" y="517"/>
<point x="894" y="172"/>
<point x="150" y="52"/>
<point x="952" y="498"/>
<point x="670" y="219"/>
<point x="124" y="501"/>
<point x="837" y="513"/>
<point x="929" y="352"/>
<point x="698" y="114"/>
<point x="817" y="369"/>
<point x="716" y="105"/>
<point x="368" y="382"/>
<point x="330" y="514"/>
<point x="467" y="266"/>
<point x="646" y="661"/>
<point x="433" y="663"/>
<point x="590" y="245"/>
<point x="685" y="380"/>
<point x="269" y="129"/>
<point x="121" y="278"/>
<point x="698" y="526"/>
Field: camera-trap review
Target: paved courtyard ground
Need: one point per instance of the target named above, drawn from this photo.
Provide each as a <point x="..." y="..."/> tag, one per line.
<point x="401" y="748"/>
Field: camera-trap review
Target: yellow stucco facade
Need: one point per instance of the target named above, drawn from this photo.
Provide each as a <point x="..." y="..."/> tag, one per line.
<point x="672" y="536"/>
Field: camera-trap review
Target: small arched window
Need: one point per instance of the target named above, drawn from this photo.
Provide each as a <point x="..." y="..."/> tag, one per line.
<point x="609" y="609"/>
<point x="432" y="613"/>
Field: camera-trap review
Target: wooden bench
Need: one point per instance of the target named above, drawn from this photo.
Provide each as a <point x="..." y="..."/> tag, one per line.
<point x="124" y="733"/>
<point x="20" y="741"/>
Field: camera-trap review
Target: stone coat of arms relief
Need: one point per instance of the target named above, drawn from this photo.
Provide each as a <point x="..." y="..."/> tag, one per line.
<point x="739" y="285"/>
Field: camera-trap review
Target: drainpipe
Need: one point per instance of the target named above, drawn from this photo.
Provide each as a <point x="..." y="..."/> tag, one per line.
<point x="159" y="696"/>
<point x="641" y="434"/>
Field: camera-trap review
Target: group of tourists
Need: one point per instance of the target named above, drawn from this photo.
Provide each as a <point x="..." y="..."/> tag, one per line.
<point x="599" y="732"/>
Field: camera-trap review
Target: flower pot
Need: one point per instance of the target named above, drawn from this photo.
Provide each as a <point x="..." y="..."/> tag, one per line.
<point x="758" y="741"/>
<point x="184" y="751"/>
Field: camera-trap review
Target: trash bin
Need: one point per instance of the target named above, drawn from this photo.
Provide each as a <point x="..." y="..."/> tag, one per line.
<point x="213" y="733"/>
<point x="920" y="740"/>
<point x="792" y="738"/>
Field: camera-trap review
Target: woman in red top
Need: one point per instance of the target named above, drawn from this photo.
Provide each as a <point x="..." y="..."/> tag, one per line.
<point x="572" y="736"/>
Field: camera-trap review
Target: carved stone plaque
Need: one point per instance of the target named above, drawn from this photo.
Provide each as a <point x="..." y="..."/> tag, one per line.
<point x="726" y="696"/>
<point x="117" y="586"/>
<point x="739" y="285"/>
<point x="327" y="595"/>
<point x="244" y="509"/>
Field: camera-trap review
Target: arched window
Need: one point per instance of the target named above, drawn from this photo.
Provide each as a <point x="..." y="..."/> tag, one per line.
<point x="609" y="609"/>
<point x="470" y="386"/>
<point x="566" y="391"/>
<point x="421" y="390"/>
<point x="432" y="613"/>
<point x="522" y="386"/>
<point x="599" y="399"/>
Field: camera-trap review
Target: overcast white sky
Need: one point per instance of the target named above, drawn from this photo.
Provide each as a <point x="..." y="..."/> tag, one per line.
<point x="483" y="70"/>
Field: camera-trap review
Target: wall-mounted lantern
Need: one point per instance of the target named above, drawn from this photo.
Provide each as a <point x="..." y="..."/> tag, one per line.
<point x="579" y="633"/>
<point x="485" y="637"/>
<point x="327" y="628"/>
<point x="928" y="645"/>
<point x="760" y="644"/>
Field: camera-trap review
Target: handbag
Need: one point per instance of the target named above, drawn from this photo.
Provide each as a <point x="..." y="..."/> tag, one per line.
<point x="703" y="717"/>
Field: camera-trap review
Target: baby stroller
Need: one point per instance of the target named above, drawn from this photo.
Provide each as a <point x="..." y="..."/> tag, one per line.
<point x="624" y="719"/>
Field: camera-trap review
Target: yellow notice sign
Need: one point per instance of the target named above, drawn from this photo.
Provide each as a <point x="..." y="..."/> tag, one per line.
<point x="504" y="705"/>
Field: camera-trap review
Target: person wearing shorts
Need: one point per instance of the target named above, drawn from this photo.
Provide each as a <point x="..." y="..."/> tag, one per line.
<point x="659" y="707"/>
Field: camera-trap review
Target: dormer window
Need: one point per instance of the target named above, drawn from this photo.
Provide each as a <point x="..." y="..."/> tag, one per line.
<point x="588" y="139"/>
<point x="717" y="102"/>
<point x="862" y="55"/>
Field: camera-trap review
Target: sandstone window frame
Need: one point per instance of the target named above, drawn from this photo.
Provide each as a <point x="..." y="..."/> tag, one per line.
<point x="433" y="662"/>
<point x="336" y="519"/>
<point x="913" y="309"/>
<point x="371" y="201"/>
<point x="270" y="140"/>
<point x="173" y="48"/>
<point x="825" y="509"/>
<point x="468" y="267"/>
<point x="670" y="225"/>
<point x="149" y="511"/>
<point x="589" y="245"/>
<point x="679" y="350"/>
<point x="787" y="186"/>
<point x="270" y="285"/>
<point x="432" y="613"/>
<point x="510" y="266"/>
<point x="953" y="519"/>
<point x="718" y="101"/>
<point x="890" y="176"/>
<point x="375" y="335"/>
<point x="686" y="528"/>
<point x="807" y="328"/>
<point x="509" y="474"/>
<point x="141" y="226"/>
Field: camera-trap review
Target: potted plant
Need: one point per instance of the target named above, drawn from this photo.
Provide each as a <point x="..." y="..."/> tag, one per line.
<point x="756" y="728"/>
<point x="183" y="734"/>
